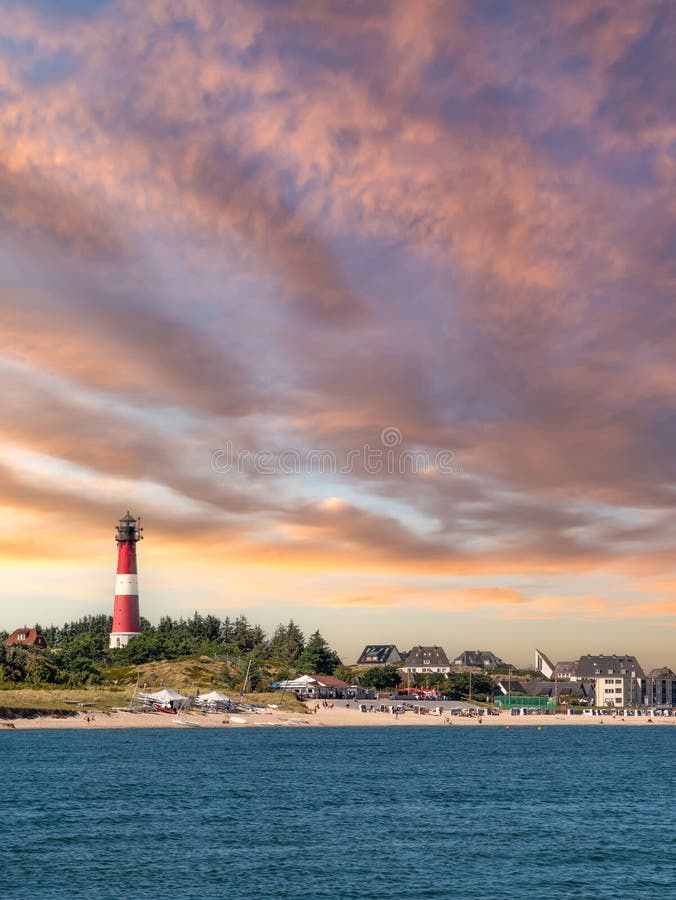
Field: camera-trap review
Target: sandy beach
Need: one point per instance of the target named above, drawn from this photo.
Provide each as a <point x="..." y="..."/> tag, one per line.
<point x="324" y="716"/>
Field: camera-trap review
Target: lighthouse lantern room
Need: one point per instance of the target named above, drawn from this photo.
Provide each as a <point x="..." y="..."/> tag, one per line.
<point x="126" y="623"/>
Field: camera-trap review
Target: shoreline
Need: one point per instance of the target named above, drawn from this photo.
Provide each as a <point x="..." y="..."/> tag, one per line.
<point x="323" y="717"/>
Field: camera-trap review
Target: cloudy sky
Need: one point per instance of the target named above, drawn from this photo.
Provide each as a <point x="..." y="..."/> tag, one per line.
<point x="366" y="307"/>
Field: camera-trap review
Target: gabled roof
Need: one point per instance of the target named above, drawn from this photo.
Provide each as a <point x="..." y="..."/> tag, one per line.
<point x="597" y="666"/>
<point x="27" y="637"/>
<point x="512" y="686"/>
<point x="421" y="657"/>
<point x="378" y="654"/>
<point x="537" y="688"/>
<point x="552" y="688"/>
<point x="480" y="659"/>
<point x="564" y="669"/>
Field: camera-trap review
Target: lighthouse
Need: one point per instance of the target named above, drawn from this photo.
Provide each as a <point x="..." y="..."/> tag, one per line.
<point x="126" y="624"/>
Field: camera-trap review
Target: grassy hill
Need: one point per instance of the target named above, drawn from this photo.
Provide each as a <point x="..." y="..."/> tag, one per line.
<point x="187" y="676"/>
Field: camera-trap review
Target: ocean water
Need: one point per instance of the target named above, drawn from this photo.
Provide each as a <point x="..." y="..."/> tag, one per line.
<point x="339" y="813"/>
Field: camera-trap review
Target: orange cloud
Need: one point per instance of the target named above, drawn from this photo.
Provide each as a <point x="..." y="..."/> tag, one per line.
<point x="301" y="224"/>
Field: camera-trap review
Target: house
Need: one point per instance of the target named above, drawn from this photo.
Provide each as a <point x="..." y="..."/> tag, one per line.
<point x="506" y="686"/>
<point x="481" y="659"/>
<point x="313" y="687"/>
<point x="27" y="637"/>
<point x="659" y="688"/>
<point x="424" y="660"/>
<point x="379" y="655"/>
<point x="609" y="680"/>
<point x="617" y="680"/>
<point x="564" y="670"/>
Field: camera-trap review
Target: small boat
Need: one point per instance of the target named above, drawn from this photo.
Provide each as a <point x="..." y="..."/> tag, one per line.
<point x="186" y="722"/>
<point x="182" y="719"/>
<point x="164" y="709"/>
<point x="238" y="720"/>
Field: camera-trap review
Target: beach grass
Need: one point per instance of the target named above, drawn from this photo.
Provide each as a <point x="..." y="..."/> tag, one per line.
<point x="45" y="698"/>
<point x="106" y="698"/>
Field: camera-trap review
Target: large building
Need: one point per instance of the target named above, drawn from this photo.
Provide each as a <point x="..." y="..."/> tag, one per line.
<point x="617" y="679"/>
<point x="426" y="660"/>
<point x="613" y="680"/>
<point x="659" y="688"/>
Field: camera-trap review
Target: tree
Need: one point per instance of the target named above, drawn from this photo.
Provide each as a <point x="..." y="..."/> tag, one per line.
<point x="317" y="657"/>
<point x="45" y="670"/>
<point x="246" y="637"/>
<point x="287" y="643"/>
<point x="13" y="663"/>
<point x="381" y="677"/>
<point x="166" y="625"/>
<point x="83" y="646"/>
<point x="345" y="673"/>
<point x="255" y="678"/>
<point x="458" y="685"/>
<point x="204" y="628"/>
<point x="225" y="633"/>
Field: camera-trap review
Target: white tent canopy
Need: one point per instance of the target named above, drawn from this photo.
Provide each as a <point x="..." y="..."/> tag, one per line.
<point x="166" y="695"/>
<point x="213" y="697"/>
<point x="300" y="682"/>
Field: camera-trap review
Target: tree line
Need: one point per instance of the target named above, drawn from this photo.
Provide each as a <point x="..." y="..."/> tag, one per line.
<point x="78" y="651"/>
<point x="454" y="685"/>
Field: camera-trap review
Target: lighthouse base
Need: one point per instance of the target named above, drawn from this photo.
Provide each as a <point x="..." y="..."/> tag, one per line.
<point x="121" y="638"/>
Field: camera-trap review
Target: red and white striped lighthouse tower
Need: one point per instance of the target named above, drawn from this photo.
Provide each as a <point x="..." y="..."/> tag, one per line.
<point x="126" y="624"/>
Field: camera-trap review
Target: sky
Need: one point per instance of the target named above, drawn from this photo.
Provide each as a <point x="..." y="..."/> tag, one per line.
<point x="366" y="307"/>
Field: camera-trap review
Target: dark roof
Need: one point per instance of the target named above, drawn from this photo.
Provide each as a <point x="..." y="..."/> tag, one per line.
<point x="537" y="688"/>
<point x="663" y="672"/>
<point x="512" y="686"/>
<point x="552" y="688"/>
<point x="28" y="637"/>
<point x="587" y="688"/>
<point x="480" y="659"/>
<point x="564" y="669"/>
<point x="419" y="657"/>
<point x="596" y="666"/>
<point x="377" y="654"/>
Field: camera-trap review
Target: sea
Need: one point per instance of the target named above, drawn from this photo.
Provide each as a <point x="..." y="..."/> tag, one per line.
<point x="309" y="813"/>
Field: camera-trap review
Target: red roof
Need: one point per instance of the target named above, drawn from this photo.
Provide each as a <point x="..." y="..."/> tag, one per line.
<point x="329" y="681"/>
<point x="29" y="637"/>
